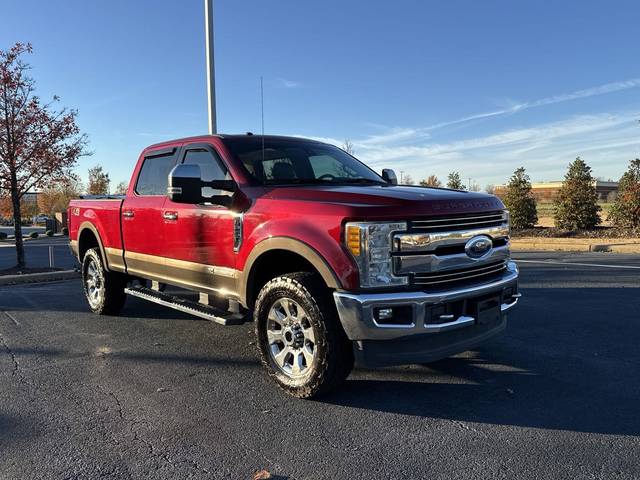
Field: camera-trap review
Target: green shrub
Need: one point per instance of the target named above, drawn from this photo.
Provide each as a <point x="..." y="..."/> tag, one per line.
<point x="576" y="207"/>
<point x="520" y="201"/>
<point x="49" y="233"/>
<point x="65" y="231"/>
<point x="33" y="235"/>
<point x="3" y="236"/>
<point x="625" y="211"/>
<point x="454" y="181"/>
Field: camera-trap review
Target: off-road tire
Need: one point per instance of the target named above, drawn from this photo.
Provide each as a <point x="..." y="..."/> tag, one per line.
<point x="111" y="297"/>
<point x="333" y="357"/>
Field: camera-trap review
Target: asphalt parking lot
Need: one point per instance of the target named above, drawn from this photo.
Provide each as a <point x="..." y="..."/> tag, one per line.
<point x="158" y="394"/>
<point x="37" y="253"/>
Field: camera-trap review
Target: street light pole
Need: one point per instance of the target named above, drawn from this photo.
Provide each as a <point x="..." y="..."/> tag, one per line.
<point x="211" y="72"/>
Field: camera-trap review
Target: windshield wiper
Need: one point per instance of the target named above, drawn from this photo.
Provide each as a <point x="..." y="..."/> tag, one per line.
<point x="361" y="180"/>
<point x="323" y="181"/>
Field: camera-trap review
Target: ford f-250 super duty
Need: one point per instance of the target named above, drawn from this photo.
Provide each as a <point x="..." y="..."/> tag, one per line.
<point x="332" y="261"/>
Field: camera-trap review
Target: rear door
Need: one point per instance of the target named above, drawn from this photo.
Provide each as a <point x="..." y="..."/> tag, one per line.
<point x="142" y="215"/>
<point x="198" y="239"/>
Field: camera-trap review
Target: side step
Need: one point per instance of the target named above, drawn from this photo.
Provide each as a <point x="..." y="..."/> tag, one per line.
<point x="187" y="306"/>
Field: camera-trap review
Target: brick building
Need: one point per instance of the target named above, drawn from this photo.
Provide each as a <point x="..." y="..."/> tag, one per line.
<point x="547" y="191"/>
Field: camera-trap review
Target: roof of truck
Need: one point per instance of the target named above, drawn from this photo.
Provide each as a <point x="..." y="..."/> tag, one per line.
<point x="231" y="136"/>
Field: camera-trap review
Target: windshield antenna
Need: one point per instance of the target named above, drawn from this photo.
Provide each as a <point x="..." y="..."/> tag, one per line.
<point x="262" y="114"/>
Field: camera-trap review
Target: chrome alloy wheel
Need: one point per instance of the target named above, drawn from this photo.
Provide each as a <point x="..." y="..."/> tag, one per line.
<point x="93" y="283"/>
<point x="292" y="341"/>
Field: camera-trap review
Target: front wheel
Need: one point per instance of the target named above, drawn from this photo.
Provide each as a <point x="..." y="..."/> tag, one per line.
<point x="301" y="341"/>
<point x="104" y="290"/>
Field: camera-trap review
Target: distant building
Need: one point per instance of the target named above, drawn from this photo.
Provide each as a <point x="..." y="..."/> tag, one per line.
<point x="547" y="191"/>
<point x="30" y="198"/>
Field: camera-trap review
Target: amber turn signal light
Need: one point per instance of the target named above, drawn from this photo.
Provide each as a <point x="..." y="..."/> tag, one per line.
<point x="353" y="239"/>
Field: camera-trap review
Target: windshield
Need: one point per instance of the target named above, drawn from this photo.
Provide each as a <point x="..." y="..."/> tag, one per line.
<point x="293" y="162"/>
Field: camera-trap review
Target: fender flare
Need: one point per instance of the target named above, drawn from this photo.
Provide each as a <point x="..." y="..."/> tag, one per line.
<point x="291" y="245"/>
<point x="90" y="226"/>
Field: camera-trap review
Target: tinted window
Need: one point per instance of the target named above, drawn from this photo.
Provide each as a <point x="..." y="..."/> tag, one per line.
<point x="211" y="168"/>
<point x="152" y="179"/>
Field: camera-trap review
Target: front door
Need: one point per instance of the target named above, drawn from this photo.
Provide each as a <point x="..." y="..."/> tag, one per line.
<point x="198" y="239"/>
<point x="142" y="220"/>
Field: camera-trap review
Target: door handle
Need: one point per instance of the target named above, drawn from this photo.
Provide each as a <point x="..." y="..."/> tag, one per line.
<point x="128" y="213"/>
<point x="170" y="215"/>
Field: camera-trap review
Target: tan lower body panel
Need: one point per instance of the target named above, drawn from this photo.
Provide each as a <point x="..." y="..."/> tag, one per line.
<point x="114" y="259"/>
<point x="143" y="265"/>
<point x="221" y="281"/>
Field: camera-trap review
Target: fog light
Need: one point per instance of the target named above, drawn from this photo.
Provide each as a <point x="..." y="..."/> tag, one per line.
<point x="401" y="315"/>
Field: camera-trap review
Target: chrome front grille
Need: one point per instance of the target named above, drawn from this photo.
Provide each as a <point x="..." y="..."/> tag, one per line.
<point x="477" y="272"/>
<point x="460" y="222"/>
<point x="433" y="251"/>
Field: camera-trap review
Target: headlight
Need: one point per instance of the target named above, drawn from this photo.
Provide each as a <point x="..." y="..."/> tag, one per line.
<point x="370" y="245"/>
<point x="508" y="219"/>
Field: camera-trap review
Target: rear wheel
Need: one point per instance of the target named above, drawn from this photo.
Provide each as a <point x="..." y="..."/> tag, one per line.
<point x="301" y="341"/>
<point x="104" y="290"/>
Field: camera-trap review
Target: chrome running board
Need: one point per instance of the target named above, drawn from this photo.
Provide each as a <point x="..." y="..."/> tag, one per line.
<point x="194" y="308"/>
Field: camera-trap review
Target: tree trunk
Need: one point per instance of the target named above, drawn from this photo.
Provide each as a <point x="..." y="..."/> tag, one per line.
<point x="17" y="223"/>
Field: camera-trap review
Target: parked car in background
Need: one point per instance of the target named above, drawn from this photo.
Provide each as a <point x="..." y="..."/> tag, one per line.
<point x="332" y="261"/>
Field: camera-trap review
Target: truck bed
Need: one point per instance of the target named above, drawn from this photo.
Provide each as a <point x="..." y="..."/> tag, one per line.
<point x="103" y="213"/>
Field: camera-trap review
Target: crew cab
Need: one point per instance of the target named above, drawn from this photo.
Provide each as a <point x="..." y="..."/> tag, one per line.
<point x="333" y="262"/>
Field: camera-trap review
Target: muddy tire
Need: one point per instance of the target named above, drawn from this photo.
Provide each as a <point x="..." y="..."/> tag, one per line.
<point x="104" y="290"/>
<point x="301" y="342"/>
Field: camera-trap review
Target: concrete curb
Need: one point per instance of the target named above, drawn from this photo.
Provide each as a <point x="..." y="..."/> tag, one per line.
<point x="614" y="245"/>
<point x="39" y="277"/>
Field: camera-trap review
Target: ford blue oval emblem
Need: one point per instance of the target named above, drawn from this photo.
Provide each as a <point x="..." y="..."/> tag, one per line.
<point x="478" y="247"/>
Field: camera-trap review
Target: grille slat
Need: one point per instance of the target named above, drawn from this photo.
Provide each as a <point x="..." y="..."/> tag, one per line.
<point x="458" y="222"/>
<point x="442" y="277"/>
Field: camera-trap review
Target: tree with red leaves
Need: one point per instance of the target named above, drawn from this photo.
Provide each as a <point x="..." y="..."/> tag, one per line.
<point x="38" y="144"/>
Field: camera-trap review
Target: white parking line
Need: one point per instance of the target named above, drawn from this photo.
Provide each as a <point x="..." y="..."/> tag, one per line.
<point x="551" y="262"/>
<point x="28" y="244"/>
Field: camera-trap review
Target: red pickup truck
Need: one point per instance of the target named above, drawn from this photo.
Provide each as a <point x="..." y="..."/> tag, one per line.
<point x="332" y="261"/>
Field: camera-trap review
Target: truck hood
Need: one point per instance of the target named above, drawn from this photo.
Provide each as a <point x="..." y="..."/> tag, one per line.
<point x="383" y="199"/>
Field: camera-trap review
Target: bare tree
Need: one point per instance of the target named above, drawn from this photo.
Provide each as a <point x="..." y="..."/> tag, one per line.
<point x="121" y="188"/>
<point x="38" y="145"/>
<point x="347" y="146"/>
<point x="407" y="179"/>
<point x="490" y="189"/>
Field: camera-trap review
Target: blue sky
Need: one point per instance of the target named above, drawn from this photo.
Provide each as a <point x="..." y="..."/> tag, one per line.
<point x="425" y="87"/>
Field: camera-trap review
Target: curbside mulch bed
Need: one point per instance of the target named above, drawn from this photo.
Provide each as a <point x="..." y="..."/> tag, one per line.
<point x="39" y="277"/>
<point x="618" y="245"/>
<point x="593" y="234"/>
<point x="599" y="239"/>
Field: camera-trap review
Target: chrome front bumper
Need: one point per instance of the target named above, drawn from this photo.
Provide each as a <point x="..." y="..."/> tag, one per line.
<point x="356" y="311"/>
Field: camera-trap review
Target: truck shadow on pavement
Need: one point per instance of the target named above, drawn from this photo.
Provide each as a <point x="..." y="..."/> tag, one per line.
<point x="463" y="389"/>
<point x="14" y="430"/>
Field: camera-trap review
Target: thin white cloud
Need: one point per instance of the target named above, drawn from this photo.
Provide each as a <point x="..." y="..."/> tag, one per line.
<point x="606" y="140"/>
<point x="565" y="97"/>
<point x="285" y="83"/>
